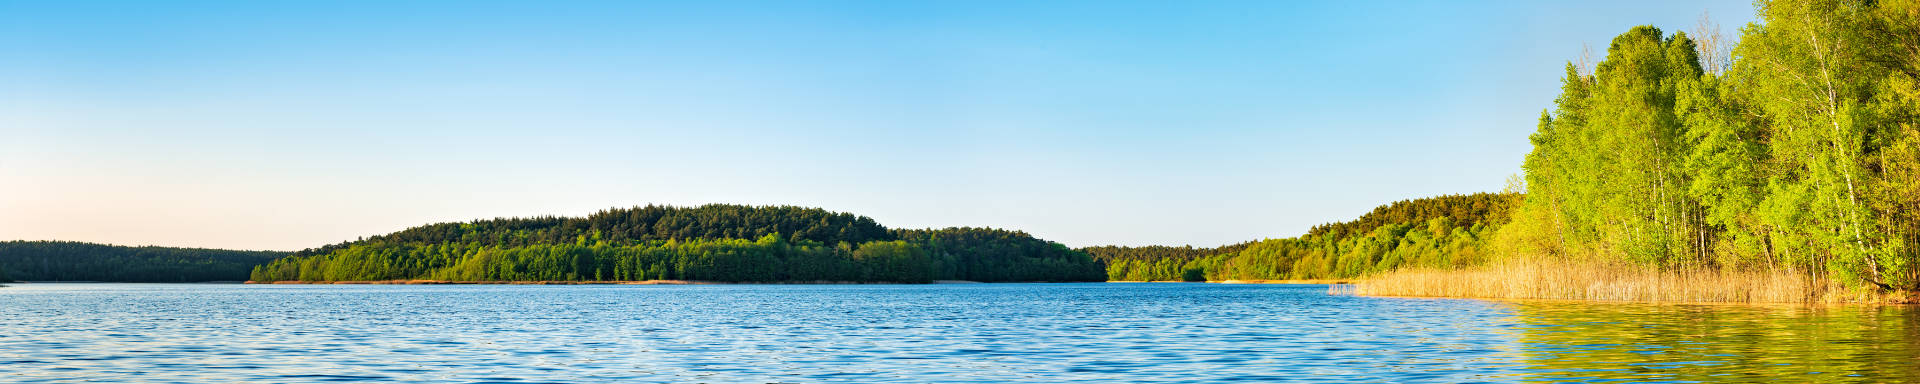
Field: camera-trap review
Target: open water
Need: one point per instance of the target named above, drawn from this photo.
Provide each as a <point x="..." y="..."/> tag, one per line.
<point x="988" y="333"/>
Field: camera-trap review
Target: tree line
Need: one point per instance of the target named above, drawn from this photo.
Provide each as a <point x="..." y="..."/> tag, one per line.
<point x="990" y="255"/>
<point x="1442" y="232"/>
<point x="768" y="259"/>
<point x="1797" y="151"/>
<point x="77" y="261"/>
<point x="1110" y="253"/>
<point x="651" y="222"/>
<point x="732" y="243"/>
<point x="1469" y="209"/>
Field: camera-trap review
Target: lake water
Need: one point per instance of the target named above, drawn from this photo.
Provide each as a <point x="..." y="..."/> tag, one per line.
<point x="1039" y="333"/>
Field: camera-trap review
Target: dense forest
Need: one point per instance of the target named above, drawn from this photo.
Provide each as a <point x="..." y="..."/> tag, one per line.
<point x="1795" y="149"/>
<point x="1107" y="254"/>
<point x="986" y="254"/>
<point x="652" y="222"/>
<point x="729" y="243"/>
<point x="1442" y="232"/>
<point x="769" y="259"/>
<point x="1467" y="210"/>
<point x="76" y="261"/>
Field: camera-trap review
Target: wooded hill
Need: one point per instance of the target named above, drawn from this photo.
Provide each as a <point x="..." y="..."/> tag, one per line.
<point x="718" y="242"/>
<point x="1442" y="232"/>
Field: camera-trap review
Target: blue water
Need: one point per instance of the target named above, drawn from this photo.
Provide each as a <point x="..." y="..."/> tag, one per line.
<point x="1001" y="333"/>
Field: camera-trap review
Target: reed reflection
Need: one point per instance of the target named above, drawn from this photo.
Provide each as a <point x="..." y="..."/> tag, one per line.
<point x="1577" y="342"/>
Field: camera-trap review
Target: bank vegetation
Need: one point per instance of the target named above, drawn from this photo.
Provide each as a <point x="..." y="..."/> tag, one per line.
<point x="1778" y="165"/>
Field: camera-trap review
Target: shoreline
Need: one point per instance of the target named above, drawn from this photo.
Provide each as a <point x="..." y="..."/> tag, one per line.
<point x="570" y="282"/>
<point x="704" y="282"/>
<point x="1294" y="281"/>
<point x="1280" y="282"/>
<point x="1347" y="287"/>
<point x="1604" y="282"/>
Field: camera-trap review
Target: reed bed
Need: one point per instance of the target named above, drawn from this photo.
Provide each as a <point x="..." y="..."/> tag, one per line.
<point x="1598" y="281"/>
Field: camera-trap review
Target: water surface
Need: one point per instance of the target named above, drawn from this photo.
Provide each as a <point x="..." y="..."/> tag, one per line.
<point x="1038" y="333"/>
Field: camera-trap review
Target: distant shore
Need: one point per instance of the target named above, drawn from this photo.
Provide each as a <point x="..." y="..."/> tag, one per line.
<point x="596" y="282"/>
<point x="1297" y="281"/>
<point x="681" y="282"/>
<point x="702" y="282"/>
<point x="119" y="282"/>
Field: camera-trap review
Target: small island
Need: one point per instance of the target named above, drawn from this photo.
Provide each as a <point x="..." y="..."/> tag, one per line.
<point x="710" y="243"/>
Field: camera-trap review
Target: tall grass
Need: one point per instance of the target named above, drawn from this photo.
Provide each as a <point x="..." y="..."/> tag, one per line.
<point x="1543" y="278"/>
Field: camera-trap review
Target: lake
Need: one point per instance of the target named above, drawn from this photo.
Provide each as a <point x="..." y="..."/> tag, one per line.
<point x="1020" y="333"/>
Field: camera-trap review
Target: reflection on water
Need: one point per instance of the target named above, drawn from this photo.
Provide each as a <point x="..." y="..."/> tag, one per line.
<point x="1571" y="341"/>
<point x="999" y="333"/>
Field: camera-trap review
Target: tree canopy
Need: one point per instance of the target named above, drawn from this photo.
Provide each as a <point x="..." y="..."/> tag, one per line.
<point x="77" y="261"/>
<point x="1443" y="232"/>
<point x="1800" y="153"/>
<point x="732" y="243"/>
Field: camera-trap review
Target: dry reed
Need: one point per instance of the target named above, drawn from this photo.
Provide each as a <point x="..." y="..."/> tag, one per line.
<point x="1569" y="280"/>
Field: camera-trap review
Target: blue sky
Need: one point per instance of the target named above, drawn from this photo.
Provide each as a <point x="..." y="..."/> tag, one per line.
<point x="286" y="125"/>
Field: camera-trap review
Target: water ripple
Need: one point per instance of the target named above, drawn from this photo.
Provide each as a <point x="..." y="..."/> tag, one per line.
<point x="1051" y="333"/>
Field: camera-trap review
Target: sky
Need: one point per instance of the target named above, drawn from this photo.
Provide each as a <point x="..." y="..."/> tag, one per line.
<point x="285" y="125"/>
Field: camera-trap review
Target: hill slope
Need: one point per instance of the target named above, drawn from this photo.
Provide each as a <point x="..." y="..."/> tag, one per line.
<point x="1443" y="231"/>
<point x="718" y="242"/>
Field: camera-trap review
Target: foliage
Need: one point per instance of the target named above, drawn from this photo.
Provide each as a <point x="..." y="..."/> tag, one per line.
<point x="1801" y="156"/>
<point x="992" y="255"/>
<point x="651" y="222"/>
<point x="1439" y="232"/>
<point x="1466" y="210"/>
<point x="76" y="261"/>
<point x="769" y="259"/>
<point x="706" y="243"/>
<point x="1112" y="253"/>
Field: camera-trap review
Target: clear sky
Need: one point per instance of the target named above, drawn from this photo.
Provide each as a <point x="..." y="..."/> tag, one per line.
<point x="291" y="124"/>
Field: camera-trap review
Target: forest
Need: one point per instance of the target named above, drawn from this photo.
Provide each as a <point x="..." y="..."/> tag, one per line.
<point x="725" y="243"/>
<point x="651" y="222"/>
<point x="1441" y="232"/>
<point x="986" y="254"/>
<point x="769" y="259"/>
<point x="77" y="261"/>
<point x="1793" y="149"/>
<point x="1790" y="150"/>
